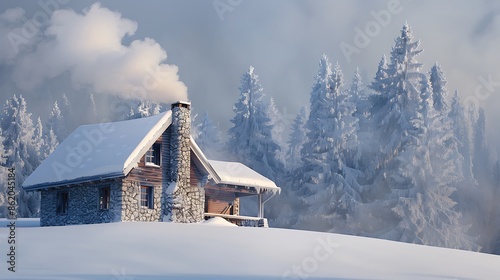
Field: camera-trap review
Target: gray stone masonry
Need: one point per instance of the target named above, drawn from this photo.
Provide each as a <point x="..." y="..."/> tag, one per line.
<point x="132" y="209"/>
<point x="185" y="204"/>
<point x="83" y="205"/>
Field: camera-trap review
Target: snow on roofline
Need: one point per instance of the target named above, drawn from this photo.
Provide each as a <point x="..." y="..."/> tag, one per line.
<point x="202" y="162"/>
<point x="238" y="174"/>
<point x="185" y="102"/>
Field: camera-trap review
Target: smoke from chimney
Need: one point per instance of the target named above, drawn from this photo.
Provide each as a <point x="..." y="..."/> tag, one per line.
<point x="89" y="46"/>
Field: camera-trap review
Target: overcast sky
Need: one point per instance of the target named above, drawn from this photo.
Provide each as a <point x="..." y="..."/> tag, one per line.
<point x="203" y="47"/>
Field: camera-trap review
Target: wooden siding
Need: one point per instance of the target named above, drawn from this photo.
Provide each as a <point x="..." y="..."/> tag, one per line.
<point x="219" y="202"/>
<point x="195" y="174"/>
<point x="146" y="174"/>
<point x="237" y="190"/>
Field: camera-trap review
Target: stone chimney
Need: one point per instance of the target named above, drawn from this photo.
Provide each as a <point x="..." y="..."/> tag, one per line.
<point x="183" y="203"/>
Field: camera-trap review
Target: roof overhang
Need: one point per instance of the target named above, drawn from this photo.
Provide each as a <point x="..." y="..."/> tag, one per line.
<point x="75" y="182"/>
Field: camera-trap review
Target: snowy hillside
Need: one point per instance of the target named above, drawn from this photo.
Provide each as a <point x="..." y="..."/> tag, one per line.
<point x="203" y="251"/>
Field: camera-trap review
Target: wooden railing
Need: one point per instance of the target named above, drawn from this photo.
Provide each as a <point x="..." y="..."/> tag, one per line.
<point x="227" y="210"/>
<point x="243" y="221"/>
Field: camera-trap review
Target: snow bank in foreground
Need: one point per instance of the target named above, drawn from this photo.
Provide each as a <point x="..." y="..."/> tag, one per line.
<point x="218" y="221"/>
<point x="136" y="251"/>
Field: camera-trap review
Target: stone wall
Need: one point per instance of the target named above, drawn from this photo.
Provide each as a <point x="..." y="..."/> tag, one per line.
<point x="183" y="203"/>
<point x="83" y="205"/>
<point x="132" y="209"/>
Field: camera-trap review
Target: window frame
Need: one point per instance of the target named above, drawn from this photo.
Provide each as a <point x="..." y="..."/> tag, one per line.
<point x="62" y="202"/>
<point x="104" y="192"/>
<point x="153" y="155"/>
<point x="146" y="199"/>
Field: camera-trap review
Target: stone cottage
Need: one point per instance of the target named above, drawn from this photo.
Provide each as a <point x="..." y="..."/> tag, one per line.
<point x="147" y="169"/>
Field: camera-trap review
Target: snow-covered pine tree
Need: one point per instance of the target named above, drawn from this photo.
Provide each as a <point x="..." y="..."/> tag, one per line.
<point x="92" y="109"/>
<point x="484" y="206"/>
<point x="380" y="81"/>
<point x="314" y="152"/>
<point x="346" y="148"/>
<point x="439" y="91"/>
<point x="330" y="190"/>
<point x="314" y="155"/>
<point x="407" y="173"/>
<point x="296" y="141"/>
<point x="481" y="155"/>
<point x="394" y="120"/>
<point x="403" y="164"/>
<point x="360" y="100"/>
<point x="369" y="133"/>
<point x="278" y="124"/>
<point x="462" y="133"/>
<point x="443" y="225"/>
<point x="358" y="97"/>
<point x="195" y="126"/>
<point x="284" y="210"/>
<point x="126" y="109"/>
<point x="144" y="108"/>
<point x="18" y="130"/>
<point x="57" y="123"/>
<point x="251" y="139"/>
<point x="3" y="179"/>
<point x="65" y="104"/>
<point x="467" y="196"/>
<point x="70" y="119"/>
<point x="403" y="90"/>
<point x="380" y="95"/>
<point x="447" y="162"/>
<point x="148" y="108"/>
<point x="422" y="177"/>
<point x="3" y="152"/>
<point x="209" y="137"/>
<point x="38" y="140"/>
<point x="50" y="143"/>
<point x="346" y="125"/>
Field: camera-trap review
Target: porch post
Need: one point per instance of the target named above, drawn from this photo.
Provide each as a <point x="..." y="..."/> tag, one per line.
<point x="261" y="206"/>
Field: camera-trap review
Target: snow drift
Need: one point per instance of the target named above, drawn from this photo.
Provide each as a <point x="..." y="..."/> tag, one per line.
<point x="197" y="251"/>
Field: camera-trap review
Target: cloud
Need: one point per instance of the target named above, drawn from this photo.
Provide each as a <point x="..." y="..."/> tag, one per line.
<point x="8" y="24"/>
<point x="12" y="15"/>
<point x="90" y="47"/>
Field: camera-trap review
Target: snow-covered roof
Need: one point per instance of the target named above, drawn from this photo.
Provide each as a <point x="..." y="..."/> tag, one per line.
<point x="99" y="151"/>
<point x="111" y="150"/>
<point x="231" y="173"/>
<point x="238" y="174"/>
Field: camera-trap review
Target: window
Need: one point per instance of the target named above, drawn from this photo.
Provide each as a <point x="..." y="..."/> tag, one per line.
<point x="104" y="198"/>
<point x="62" y="202"/>
<point x="147" y="197"/>
<point x="153" y="155"/>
